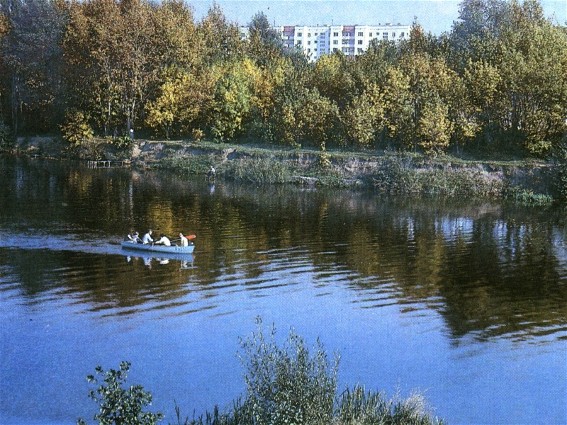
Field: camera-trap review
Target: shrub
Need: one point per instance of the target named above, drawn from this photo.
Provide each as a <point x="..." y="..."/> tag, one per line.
<point x="197" y="134"/>
<point x="117" y="405"/>
<point x="287" y="384"/>
<point x="76" y="129"/>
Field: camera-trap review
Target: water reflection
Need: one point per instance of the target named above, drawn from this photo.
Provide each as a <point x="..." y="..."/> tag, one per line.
<point x="490" y="270"/>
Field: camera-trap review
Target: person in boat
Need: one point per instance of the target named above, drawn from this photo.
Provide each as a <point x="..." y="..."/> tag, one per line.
<point x="183" y="240"/>
<point x="163" y="240"/>
<point x="147" y="239"/>
<point x="134" y="237"/>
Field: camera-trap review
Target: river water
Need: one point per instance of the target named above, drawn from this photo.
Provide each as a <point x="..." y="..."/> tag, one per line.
<point x="464" y="302"/>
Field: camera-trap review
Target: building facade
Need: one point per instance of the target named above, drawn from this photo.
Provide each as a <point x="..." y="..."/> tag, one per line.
<point x="351" y="40"/>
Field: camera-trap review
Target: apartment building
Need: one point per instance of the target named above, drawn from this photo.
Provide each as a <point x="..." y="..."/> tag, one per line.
<point x="316" y="41"/>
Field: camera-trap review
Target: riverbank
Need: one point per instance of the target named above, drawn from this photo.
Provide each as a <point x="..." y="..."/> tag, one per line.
<point x="391" y="172"/>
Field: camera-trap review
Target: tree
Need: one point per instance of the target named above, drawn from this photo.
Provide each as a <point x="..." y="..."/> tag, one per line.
<point x="332" y="77"/>
<point x="233" y="98"/>
<point x="32" y="59"/>
<point x="264" y="43"/>
<point x="364" y="117"/>
<point x="182" y="101"/>
<point x="534" y="79"/>
<point x="220" y="40"/>
<point x="109" y="60"/>
<point x="317" y="119"/>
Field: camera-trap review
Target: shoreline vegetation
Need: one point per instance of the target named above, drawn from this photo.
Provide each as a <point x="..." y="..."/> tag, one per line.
<point x="530" y="182"/>
<point x="477" y="111"/>
<point x="285" y="383"/>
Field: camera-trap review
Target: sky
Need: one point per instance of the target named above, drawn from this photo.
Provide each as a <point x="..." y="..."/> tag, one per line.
<point x="434" y="16"/>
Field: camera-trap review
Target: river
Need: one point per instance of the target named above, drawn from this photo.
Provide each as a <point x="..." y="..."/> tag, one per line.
<point x="462" y="301"/>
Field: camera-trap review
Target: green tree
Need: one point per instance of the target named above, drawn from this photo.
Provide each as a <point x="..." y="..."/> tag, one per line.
<point x="363" y="119"/>
<point x="109" y="51"/>
<point x="32" y="61"/>
<point x="182" y="101"/>
<point x="398" y="107"/>
<point x="332" y="77"/>
<point x="534" y="79"/>
<point x="119" y="405"/>
<point x="220" y="40"/>
<point x="264" y="43"/>
<point x="317" y="119"/>
<point x="233" y="98"/>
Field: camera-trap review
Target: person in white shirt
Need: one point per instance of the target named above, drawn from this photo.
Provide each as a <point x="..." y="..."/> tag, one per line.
<point x="147" y="237"/>
<point x="135" y="237"/>
<point x="163" y="240"/>
<point x="184" y="241"/>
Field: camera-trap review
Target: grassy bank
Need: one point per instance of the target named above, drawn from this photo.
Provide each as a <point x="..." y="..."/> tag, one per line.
<point x="388" y="172"/>
<point x="527" y="182"/>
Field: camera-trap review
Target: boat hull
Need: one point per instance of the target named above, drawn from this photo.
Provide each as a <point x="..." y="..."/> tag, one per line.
<point x="162" y="249"/>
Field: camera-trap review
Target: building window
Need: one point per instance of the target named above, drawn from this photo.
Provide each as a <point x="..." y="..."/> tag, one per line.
<point x="335" y="34"/>
<point x="308" y="34"/>
<point x="309" y="42"/>
<point x="385" y="35"/>
<point x="335" y="49"/>
<point x="299" y="34"/>
<point x="360" y="34"/>
<point x="359" y="41"/>
<point x="370" y="35"/>
<point x="393" y="35"/>
<point x="402" y="35"/>
<point x="335" y="41"/>
<point x="360" y="50"/>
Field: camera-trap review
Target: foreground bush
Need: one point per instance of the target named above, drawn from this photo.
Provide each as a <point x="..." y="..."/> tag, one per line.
<point x="285" y="384"/>
<point x="117" y="405"/>
<point x="288" y="384"/>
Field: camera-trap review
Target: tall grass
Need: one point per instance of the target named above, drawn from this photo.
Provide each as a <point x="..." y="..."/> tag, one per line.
<point x="258" y="170"/>
<point x="400" y="174"/>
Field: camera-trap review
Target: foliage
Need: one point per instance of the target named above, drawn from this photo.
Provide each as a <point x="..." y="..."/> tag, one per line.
<point x="197" y="134"/>
<point x="560" y="155"/>
<point x="495" y="84"/>
<point x="6" y="139"/>
<point x="287" y="384"/>
<point x="119" y="405"/>
<point x="401" y="174"/>
<point x="76" y="130"/>
<point x="528" y="197"/>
